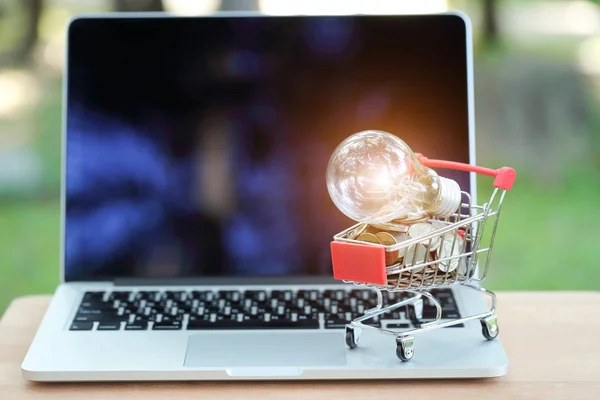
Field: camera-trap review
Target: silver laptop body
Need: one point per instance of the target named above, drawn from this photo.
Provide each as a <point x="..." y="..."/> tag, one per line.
<point x="119" y="272"/>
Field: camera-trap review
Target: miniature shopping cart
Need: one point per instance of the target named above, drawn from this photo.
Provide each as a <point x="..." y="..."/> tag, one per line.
<point x="468" y="236"/>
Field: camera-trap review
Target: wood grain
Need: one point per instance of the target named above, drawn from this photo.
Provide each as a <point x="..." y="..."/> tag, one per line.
<point x="552" y="341"/>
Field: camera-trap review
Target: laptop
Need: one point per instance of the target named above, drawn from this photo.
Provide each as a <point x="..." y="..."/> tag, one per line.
<point x="196" y="222"/>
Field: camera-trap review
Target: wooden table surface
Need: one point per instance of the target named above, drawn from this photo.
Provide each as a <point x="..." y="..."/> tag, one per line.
<point x="552" y="340"/>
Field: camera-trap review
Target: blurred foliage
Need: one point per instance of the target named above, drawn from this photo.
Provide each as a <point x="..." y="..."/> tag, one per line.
<point x="534" y="111"/>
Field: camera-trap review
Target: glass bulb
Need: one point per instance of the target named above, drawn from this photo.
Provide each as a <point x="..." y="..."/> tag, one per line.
<point x="374" y="177"/>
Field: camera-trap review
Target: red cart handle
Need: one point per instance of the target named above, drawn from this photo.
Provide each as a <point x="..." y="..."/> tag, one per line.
<point x="504" y="177"/>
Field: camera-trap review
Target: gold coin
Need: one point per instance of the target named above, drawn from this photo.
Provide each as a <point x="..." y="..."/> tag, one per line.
<point x="401" y="237"/>
<point x="421" y="229"/>
<point x="372" y="229"/>
<point x="416" y="254"/>
<point x="388" y="240"/>
<point x="356" y="232"/>
<point x="405" y="257"/>
<point x="450" y="248"/>
<point x="368" y="237"/>
<point x="433" y="244"/>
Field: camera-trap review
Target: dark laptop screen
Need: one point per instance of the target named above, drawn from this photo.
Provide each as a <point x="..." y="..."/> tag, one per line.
<point x="198" y="146"/>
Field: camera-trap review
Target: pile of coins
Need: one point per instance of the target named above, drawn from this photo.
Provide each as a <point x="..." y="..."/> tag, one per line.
<point x="417" y="264"/>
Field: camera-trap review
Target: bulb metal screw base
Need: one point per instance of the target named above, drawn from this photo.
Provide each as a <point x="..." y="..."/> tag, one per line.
<point x="450" y="198"/>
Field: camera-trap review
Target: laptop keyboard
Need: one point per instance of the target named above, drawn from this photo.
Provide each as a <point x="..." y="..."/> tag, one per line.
<point x="250" y="309"/>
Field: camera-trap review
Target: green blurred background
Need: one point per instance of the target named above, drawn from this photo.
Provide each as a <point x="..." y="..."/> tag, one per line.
<point x="537" y="79"/>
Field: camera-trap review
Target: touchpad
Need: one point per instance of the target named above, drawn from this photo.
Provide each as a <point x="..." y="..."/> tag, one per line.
<point x="265" y="349"/>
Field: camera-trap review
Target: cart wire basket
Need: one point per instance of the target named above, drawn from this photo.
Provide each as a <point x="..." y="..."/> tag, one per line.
<point x="463" y="259"/>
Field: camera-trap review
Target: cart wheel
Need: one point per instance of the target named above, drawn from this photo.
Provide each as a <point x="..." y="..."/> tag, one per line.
<point x="489" y="327"/>
<point x="351" y="337"/>
<point x="405" y="348"/>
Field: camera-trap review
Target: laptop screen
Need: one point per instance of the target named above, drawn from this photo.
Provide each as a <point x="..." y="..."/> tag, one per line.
<point x="197" y="147"/>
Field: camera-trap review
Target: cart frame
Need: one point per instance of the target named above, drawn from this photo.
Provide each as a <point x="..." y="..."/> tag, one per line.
<point x="349" y="258"/>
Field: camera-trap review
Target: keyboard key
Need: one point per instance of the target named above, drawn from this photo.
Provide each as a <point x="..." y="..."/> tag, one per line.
<point x="312" y="295"/>
<point x="202" y="295"/>
<point x="429" y="312"/>
<point x="282" y="295"/>
<point x="89" y="312"/>
<point x="95" y="305"/>
<point x="392" y="315"/>
<point x="132" y="307"/>
<point x="146" y="295"/>
<point x="81" y="326"/>
<point x="171" y="318"/>
<point x="119" y="296"/>
<point x="363" y="294"/>
<point x="230" y="295"/>
<point x="97" y="296"/>
<point x="109" y="326"/>
<point x="83" y="318"/>
<point x="167" y="326"/>
<point x="444" y="296"/>
<point x="184" y="307"/>
<point x="256" y="295"/>
<point x="96" y="309"/>
<point x="176" y="295"/>
<point x="108" y="317"/>
<point x="136" y="326"/>
<point x="438" y="293"/>
<point x="335" y="323"/>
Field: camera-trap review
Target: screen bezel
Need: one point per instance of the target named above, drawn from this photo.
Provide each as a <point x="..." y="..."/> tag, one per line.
<point x="224" y="280"/>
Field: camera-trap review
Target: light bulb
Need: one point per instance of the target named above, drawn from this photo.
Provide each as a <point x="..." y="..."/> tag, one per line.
<point x="374" y="177"/>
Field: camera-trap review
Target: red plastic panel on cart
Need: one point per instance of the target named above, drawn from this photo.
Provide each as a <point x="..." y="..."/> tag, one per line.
<point x="359" y="262"/>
